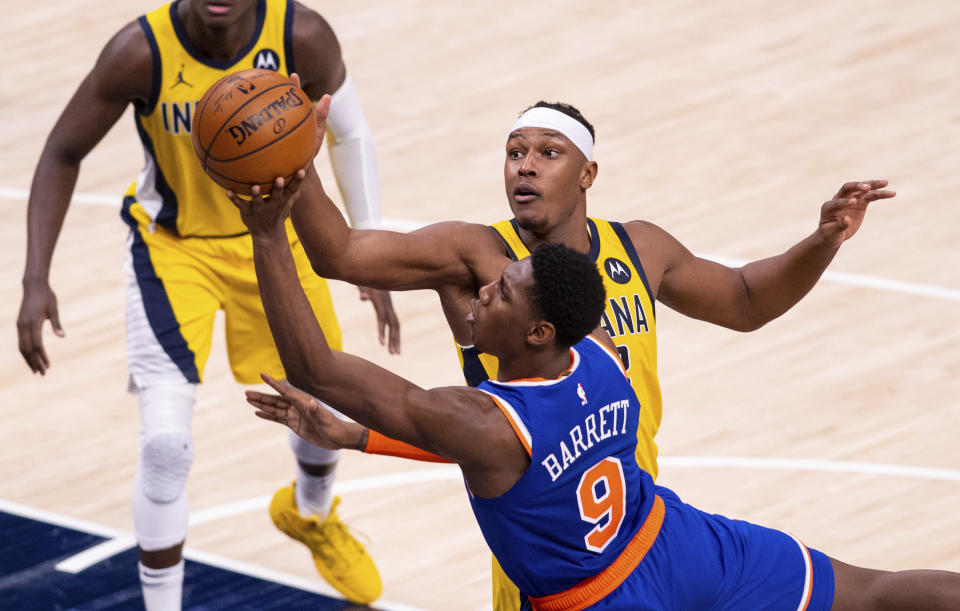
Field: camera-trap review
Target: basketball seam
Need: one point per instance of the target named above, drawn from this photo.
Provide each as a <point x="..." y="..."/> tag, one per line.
<point x="220" y="129"/>
<point x="244" y="182"/>
<point x="257" y="150"/>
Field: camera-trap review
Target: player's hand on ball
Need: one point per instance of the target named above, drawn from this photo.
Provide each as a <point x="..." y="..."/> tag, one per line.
<point x="841" y="217"/>
<point x="266" y="216"/>
<point x="321" y="113"/>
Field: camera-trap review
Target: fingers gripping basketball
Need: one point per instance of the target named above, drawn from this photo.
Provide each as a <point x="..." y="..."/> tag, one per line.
<point x="251" y="127"/>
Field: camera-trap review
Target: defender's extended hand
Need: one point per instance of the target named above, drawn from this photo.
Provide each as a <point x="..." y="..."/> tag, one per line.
<point x="306" y="417"/>
<point x="386" y="317"/>
<point x="841" y="217"/>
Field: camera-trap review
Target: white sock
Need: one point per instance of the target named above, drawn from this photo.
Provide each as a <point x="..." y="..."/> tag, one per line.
<point x="314" y="494"/>
<point x="162" y="588"/>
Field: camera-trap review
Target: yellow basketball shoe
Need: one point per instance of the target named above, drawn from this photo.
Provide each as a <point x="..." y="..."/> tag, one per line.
<point x="338" y="556"/>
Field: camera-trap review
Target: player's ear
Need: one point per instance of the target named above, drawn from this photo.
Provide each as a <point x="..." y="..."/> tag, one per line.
<point x="541" y="333"/>
<point x="588" y="173"/>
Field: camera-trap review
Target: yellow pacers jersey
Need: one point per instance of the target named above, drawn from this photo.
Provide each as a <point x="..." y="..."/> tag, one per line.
<point x="628" y="318"/>
<point x="172" y="189"/>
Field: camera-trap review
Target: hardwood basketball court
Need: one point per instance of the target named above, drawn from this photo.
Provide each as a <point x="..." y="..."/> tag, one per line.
<point x="728" y="124"/>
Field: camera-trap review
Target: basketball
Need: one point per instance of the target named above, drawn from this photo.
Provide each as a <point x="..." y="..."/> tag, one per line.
<point x="251" y="127"/>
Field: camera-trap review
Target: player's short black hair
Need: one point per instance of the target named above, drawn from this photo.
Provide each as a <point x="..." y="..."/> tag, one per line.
<point x="567" y="291"/>
<point x="568" y="110"/>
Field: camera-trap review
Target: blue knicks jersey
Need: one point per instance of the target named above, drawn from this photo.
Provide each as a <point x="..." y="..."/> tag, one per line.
<point x="583" y="497"/>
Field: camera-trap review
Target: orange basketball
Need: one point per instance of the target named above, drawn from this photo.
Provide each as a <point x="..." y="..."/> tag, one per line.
<point x="251" y="127"/>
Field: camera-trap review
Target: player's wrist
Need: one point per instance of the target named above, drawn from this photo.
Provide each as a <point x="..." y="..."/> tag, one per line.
<point x="827" y="238"/>
<point x="35" y="281"/>
<point x="362" y="439"/>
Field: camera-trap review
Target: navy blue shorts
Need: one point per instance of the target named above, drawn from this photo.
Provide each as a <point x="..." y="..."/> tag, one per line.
<point x="706" y="561"/>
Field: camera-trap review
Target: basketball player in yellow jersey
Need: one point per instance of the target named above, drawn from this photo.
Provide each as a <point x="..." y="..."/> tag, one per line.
<point x="548" y="169"/>
<point x="190" y="255"/>
<point x="628" y="318"/>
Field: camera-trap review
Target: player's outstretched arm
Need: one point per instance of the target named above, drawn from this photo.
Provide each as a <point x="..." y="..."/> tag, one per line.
<point x="122" y="74"/>
<point x="434" y="256"/>
<point x="320" y="70"/>
<point x="458" y="423"/>
<point x="748" y="297"/>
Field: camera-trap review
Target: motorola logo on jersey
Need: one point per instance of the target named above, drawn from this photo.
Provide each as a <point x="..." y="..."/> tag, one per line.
<point x="267" y="59"/>
<point x="617" y="270"/>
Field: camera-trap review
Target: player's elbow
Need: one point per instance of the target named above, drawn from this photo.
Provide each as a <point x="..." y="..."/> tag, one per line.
<point x="333" y="268"/>
<point x="59" y="153"/>
<point x="749" y="311"/>
<point x="323" y="269"/>
<point x="748" y="323"/>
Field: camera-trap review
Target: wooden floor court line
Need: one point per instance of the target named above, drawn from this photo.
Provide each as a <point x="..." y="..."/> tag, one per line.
<point x="118" y="537"/>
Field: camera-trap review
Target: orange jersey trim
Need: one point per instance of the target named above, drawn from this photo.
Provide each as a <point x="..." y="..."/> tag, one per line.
<point x="612" y="353"/>
<point x="513" y="424"/>
<point x="592" y="590"/>
<point x="807" y="593"/>
<point x="808" y="585"/>
<point x="385" y="446"/>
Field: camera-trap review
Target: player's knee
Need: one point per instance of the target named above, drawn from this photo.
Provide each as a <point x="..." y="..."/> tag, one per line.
<point x="166" y="443"/>
<point x="165" y="461"/>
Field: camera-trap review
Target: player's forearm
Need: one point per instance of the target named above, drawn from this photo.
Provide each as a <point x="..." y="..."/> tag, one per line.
<point x="321" y="227"/>
<point x="50" y="193"/>
<point x="298" y="337"/>
<point x="377" y="259"/>
<point x="774" y="285"/>
<point x="353" y="157"/>
<point x="354" y="164"/>
<point x="358" y="388"/>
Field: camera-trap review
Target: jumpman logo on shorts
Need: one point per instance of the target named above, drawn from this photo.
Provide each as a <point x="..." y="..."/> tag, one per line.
<point x="180" y="78"/>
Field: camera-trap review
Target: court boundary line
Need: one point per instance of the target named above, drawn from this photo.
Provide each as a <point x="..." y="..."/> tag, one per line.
<point x="100" y="200"/>
<point x="117" y="536"/>
<point x="406" y="225"/>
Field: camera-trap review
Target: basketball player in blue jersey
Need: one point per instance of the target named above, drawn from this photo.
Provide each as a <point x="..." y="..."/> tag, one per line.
<point x="548" y="169"/>
<point x="547" y="452"/>
<point x="190" y="255"/>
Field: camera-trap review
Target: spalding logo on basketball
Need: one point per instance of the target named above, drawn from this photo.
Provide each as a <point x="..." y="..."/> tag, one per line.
<point x="251" y="127"/>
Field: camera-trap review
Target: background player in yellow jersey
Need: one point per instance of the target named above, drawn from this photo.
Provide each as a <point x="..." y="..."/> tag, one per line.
<point x="190" y="255"/>
<point x="548" y="169"/>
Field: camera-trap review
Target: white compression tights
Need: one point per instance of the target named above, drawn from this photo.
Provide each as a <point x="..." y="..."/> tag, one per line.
<point x="166" y="455"/>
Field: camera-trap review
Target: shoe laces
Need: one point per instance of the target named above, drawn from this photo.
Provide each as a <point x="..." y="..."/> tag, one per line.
<point x="336" y="539"/>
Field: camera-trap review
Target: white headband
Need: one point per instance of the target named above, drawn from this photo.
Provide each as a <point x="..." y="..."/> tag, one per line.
<point x="574" y="130"/>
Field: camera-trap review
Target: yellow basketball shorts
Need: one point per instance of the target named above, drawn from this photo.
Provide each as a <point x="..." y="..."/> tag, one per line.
<point x="506" y="596"/>
<point x="175" y="287"/>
